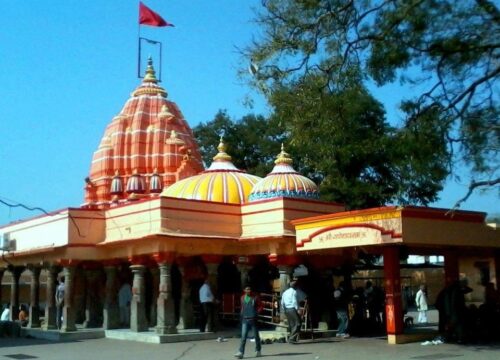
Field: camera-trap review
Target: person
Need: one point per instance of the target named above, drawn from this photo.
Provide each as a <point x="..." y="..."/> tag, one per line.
<point x="290" y="306"/>
<point x="124" y="299"/>
<point x="421" y="302"/>
<point x="369" y="297"/>
<point x="441" y="307"/>
<point x="251" y="306"/>
<point x="5" y="313"/>
<point x="23" y="315"/>
<point x="207" y="301"/>
<point x="456" y="310"/>
<point x="59" y="302"/>
<point x="341" y="306"/>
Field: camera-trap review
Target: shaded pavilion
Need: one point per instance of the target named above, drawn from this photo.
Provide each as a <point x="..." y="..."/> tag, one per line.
<point x="395" y="231"/>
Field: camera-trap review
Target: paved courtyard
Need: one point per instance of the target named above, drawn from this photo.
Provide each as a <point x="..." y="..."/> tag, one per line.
<point x="349" y="349"/>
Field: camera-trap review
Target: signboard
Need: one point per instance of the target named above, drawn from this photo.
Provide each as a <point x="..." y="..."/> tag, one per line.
<point x="347" y="236"/>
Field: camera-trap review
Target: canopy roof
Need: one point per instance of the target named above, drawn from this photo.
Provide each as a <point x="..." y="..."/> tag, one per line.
<point x="418" y="227"/>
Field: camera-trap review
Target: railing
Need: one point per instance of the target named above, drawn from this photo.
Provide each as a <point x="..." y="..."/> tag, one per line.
<point x="270" y="314"/>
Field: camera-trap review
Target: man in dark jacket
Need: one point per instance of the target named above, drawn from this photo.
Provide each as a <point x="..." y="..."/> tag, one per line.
<point x="250" y="308"/>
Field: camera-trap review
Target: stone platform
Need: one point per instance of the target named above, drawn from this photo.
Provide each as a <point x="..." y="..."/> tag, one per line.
<point x="123" y="334"/>
<point x="152" y="337"/>
<point x="416" y="334"/>
<point x="56" y="335"/>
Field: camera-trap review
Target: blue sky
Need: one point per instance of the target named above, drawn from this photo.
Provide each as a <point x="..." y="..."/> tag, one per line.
<point x="68" y="66"/>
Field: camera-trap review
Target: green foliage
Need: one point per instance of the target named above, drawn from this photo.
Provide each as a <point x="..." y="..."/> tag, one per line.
<point x="343" y="142"/>
<point x="448" y="52"/>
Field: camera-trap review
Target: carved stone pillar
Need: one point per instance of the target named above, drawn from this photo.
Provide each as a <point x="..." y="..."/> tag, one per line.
<point x="14" y="291"/>
<point x="138" y="320"/>
<point x="91" y="305"/>
<point x="69" y="311"/>
<point x="165" y="323"/>
<point x="111" y="312"/>
<point x="155" y="277"/>
<point x="50" y="303"/>
<point x="212" y="278"/>
<point x="285" y="272"/>
<point x="186" y="320"/>
<point x="34" y="318"/>
<point x="244" y="269"/>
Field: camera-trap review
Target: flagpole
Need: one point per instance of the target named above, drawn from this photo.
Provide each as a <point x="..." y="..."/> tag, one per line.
<point x="139" y="49"/>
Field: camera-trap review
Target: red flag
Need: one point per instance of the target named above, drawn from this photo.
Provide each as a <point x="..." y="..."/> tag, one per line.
<point x="149" y="17"/>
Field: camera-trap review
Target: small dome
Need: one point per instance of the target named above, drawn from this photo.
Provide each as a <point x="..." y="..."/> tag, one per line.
<point x="155" y="183"/>
<point x="116" y="184"/>
<point x="222" y="182"/>
<point x="284" y="181"/>
<point x="135" y="184"/>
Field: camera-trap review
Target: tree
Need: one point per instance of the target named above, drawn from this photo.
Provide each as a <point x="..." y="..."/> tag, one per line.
<point x="253" y="141"/>
<point x="447" y="51"/>
<point x="342" y="141"/>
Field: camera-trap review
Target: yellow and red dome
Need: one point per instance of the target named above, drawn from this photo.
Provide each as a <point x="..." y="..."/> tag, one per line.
<point x="284" y="181"/>
<point x="144" y="149"/>
<point x="222" y="182"/>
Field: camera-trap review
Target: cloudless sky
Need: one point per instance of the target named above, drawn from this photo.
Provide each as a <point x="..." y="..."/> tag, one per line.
<point x="68" y="66"/>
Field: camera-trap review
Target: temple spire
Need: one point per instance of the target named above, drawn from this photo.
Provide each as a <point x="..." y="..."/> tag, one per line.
<point x="150" y="75"/>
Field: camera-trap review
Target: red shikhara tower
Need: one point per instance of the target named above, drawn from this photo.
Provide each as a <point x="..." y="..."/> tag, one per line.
<point x="146" y="147"/>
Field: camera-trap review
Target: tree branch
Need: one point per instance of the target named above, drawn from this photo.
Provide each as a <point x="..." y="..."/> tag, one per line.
<point x="472" y="186"/>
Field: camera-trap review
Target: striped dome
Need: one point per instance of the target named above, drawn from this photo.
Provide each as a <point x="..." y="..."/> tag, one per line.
<point x="222" y="182"/>
<point x="284" y="181"/>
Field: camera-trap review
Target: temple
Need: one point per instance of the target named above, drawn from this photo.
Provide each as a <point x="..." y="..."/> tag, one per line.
<point x="153" y="216"/>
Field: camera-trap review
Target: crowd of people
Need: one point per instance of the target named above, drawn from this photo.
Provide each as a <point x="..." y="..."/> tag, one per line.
<point x="463" y="324"/>
<point x="359" y="311"/>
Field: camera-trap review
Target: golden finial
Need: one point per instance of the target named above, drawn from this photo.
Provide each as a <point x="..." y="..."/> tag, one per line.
<point x="150" y="72"/>
<point x="221" y="147"/>
<point x="283" y="157"/>
<point x="222" y="155"/>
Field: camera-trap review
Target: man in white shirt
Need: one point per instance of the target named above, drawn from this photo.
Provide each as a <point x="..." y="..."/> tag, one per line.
<point x="207" y="300"/>
<point x="421" y="302"/>
<point x="290" y="306"/>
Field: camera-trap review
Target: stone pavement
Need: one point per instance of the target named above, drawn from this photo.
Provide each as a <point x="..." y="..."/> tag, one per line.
<point x="321" y="349"/>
